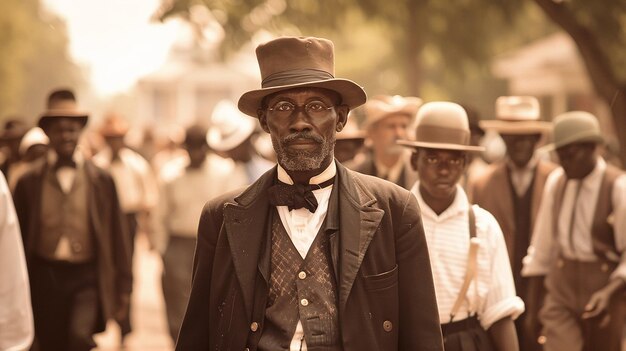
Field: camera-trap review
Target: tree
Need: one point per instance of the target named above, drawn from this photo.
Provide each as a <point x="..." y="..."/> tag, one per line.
<point x="34" y="58"/>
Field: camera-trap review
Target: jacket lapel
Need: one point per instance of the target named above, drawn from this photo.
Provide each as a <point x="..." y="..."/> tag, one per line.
<point x="358" y="223"/>
<point x="245" y="220"/>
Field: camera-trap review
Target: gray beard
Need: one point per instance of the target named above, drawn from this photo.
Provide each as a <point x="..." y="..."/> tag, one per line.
<point x="302" y="160"/>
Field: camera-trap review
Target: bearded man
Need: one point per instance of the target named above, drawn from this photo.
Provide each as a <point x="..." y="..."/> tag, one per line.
<point x="312" y="256"/>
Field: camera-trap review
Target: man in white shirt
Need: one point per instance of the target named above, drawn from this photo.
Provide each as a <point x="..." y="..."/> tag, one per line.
<point x="311" y="256"/>
<point x="16" y="315"/>
<point x="579" y="242"/>
<point x="489" y="303"/>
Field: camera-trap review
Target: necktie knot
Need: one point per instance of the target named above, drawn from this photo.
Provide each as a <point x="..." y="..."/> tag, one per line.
<point x="296" y="196"/>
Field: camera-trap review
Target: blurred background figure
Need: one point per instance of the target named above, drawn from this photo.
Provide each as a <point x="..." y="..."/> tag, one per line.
<point x="476" y="164"/>
<point x="171" y="150"/>
<point x="231" y="135"/>
<point x="511" y="190"/>
<point x="75" y="239"/>
<point x="183" y="192"/>
<point x="16" y="315"/>
<point x="134" y="180"/>
<point x="387" y="119"/>
<point x="33" y="147"/>
<point x="10" y="139"/>
<point x="349" y="142"/>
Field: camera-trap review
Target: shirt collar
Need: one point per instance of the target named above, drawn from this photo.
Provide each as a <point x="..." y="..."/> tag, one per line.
<point x="77" y="157"/>
<point x="458" y="206"/>
<point x="532" y="163"/>
<point x="328" y="173"/>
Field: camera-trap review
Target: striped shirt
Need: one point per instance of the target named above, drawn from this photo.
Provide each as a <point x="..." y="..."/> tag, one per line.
<point x="492" y="294"/>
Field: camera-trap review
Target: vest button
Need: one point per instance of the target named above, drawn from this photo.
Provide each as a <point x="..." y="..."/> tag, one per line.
<point x="387" y="326"/>
<point x="304" y="302"/>
<point x="254" y="326"/>
<point x="302" y="275"/>
<point x="604" y="267"/>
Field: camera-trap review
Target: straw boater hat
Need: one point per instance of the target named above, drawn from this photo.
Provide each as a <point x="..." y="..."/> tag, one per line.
<point x="517" y="115"/>
<point x="65" y="107"/>
<point x="575" y="127"/>
<point x="229" y="127"/>
<point x="383" y="106"/>
<point x="114" y="126"/>
<point x="442" y="125"/>
<point x="295" y="62"/>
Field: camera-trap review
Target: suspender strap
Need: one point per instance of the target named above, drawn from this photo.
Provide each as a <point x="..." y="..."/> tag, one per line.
<point x="471" y="272"/>
<point x="603" y="235"/>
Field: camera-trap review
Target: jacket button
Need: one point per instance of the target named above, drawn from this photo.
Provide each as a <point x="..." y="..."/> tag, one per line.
<point x="302" y="275"/>
<point x="254" y="326"/>
<point x="304" y="302"/>
<point x="387" y="326"/>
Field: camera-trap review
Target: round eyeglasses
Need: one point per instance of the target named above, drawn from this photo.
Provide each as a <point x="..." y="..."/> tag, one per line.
<point x="313" y="108"/>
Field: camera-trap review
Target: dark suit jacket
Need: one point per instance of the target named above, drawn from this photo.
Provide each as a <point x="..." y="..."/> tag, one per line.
<point x="492" y="192"/>
<point x="378" y="252"/>
<point x="407" y="178"/>
<point x="109" y="229"/>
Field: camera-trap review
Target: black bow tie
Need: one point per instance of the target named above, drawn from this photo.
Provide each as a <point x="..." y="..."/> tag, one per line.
<point x="65" y="163"/>
<point x="296" y="196"/>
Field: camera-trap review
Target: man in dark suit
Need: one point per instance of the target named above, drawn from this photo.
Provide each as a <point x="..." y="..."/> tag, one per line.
<point x="77" y="247"/>
<point x="312" y="256"/>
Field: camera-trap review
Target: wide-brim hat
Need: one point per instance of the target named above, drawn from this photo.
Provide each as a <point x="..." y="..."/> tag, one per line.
<point x="114" y="126"/>
<point x="382" y="106"/>
<point x="298" y="62"/>
<point x="35" y="136"/>
<point x="229" y="127"/>
<point x="442" y="125"/>
<point x="517" y="115"/>
<point x="351" y="132"/>
<point x="574" y="127"/>
<point x="62" y="108"/>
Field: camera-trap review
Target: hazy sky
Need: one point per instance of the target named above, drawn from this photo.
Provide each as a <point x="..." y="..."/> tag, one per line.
<point x="115" y="39"/>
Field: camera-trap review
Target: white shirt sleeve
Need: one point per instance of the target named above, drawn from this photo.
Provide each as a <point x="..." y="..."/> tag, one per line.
<point x="16" y="316"/>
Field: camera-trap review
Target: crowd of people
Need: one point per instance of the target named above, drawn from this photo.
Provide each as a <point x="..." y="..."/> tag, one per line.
<point x="368" y="224"/>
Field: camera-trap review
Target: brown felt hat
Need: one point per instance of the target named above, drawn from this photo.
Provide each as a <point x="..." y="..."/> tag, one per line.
<point x="575" y="127"/>
<point x="64" y="107"/>
<point x="297" y="62"/>
<point x="442" y="125"/>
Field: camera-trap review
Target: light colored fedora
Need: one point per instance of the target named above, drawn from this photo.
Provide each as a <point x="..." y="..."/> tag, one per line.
<point x="229" y="127"/>
<point x="114" y="125"/>
<point x="517" y="115"/>
<point x="35" y="136"/>
<point x="442" y="125"/>
<point x="575" y="127"/>
<point x="381" y="106"/>
<point x="296" y="62"/>
<point x="62" y="108"/>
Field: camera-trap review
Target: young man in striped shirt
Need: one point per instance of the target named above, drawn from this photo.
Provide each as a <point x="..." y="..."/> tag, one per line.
<point x="474" y="288"/>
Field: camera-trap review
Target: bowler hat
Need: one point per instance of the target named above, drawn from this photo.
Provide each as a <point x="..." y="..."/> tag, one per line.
<point x="229" y="127"/>
<point x="442" y="125"/>
<point x="517" y="115"/>
<point x="62" y="105"/>
<point x="114" y="125"/>
<point x="295" y="62"/>
<point x="575" y="127"/>
<point x="383" y="106"/>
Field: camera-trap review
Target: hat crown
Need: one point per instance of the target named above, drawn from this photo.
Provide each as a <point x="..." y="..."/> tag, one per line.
<point x="229" y="126"/>
<point x="517" y="108"/>
<point x="576" y="126"/>
<point x="442" y="123"/>
<point x="290" y="60"/>
<point x="382" y="106"/>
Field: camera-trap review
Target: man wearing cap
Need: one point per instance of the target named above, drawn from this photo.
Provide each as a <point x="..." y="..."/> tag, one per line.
<point x="387" y="119"/>
<point x="511" y="190"/>
<point x="474" y="285"/>
<point x="312" y="256"/>
<point x="134" y="181"/>
<point x="579" y="242"/>
<point x="34" y="145"/>
<point x="75" y="239"/>
<point x="231" y="136"/>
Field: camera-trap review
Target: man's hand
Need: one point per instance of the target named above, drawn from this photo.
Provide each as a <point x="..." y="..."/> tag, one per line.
<point x="599" y="302"/>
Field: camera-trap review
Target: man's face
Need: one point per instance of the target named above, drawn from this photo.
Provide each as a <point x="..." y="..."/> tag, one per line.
<point x="387" y="131"/>
<point x="520" y="148"/>
<point x="64" y="134"/>
<point x="302" y="123"/>
<point x="197" y="153"/>
<point x="577" y="159"/>
<point x="439" y="170"/>
<point x="116" y="143"/>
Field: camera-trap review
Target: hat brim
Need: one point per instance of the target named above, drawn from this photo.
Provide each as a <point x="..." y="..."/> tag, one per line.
<point x="62" y="113"/>
<point x="517" y="127"/>
<point x="351" y="94"/>
<point x="444" y="146"/>
<point x="217" y="143"/>
<point x="587" y="136"/>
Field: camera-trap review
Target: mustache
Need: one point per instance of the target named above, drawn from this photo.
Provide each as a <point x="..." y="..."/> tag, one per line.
<point x="302" y="135"/>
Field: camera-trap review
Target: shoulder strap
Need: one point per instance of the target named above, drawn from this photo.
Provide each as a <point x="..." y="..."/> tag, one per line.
<point x="559" y="193"/>
<point x="603" y="237"/>
<point x="471" y="271"/>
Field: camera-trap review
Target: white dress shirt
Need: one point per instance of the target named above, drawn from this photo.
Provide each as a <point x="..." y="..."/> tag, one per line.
<point x="492" y="293"/>
<point x="544" y="248"/>
<point x="303" y="226"/>
<point x="522" y="177"/>
<point x="16" y="316"/>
